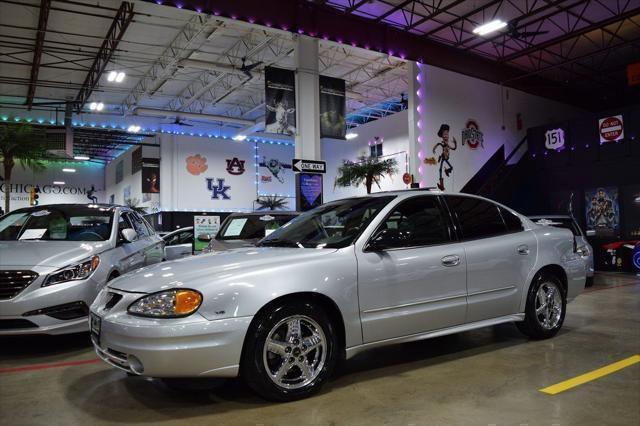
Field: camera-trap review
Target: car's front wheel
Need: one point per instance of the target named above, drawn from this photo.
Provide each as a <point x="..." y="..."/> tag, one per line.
<point x="546" y="307"/>
<point x="290" y="351"/>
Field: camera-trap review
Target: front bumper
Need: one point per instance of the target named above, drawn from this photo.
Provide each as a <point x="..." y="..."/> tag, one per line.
<point x="35" y="301"/>
<point x="176" y="347"/>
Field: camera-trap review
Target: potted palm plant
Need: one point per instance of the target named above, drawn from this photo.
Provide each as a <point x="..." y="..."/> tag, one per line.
<point x="272" y="202"/>
<point x="20" y="143"/>
<point x="367" y="170"/>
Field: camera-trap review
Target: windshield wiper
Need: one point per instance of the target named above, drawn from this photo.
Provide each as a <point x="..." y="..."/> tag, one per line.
<point x="276" y="242"/>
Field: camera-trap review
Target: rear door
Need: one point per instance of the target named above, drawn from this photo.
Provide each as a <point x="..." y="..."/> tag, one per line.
<point x="499" y="254"/>
<point x="417" y="284"/>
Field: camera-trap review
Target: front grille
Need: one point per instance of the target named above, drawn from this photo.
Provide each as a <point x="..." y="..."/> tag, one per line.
<point x="14" y="324"/>
<point x="68" y="311"/>
<point x="13" y="282"/>
<point x="113" y="300"/>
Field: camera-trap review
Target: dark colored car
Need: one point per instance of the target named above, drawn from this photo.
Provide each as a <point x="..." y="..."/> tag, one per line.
<point x="246" y="229"/>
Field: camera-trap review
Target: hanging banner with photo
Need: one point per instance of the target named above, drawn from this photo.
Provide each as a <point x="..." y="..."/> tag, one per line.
<point x="136" y="160"/>
<point x="280" y="101"/>
<point x="150" y="177"/>
<point x="333" y="108"/>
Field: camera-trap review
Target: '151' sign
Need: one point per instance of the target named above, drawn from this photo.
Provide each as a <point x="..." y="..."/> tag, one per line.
<point x="554" y="139"/>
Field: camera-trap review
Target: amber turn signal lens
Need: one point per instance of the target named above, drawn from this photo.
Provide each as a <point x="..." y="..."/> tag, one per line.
<point x="187" y="301"/>
<point x="95" y="261"/>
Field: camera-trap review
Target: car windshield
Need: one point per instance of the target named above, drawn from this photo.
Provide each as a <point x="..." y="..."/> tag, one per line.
<point x="564" y="222"/>
<point x="249" y="227"/>
<point x="57" y="223"/>
<point x="333" y="225"/>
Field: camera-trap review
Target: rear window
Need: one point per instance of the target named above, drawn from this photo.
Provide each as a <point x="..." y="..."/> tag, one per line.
<point x="251" y="226"/>
<point x="478" y="218"/>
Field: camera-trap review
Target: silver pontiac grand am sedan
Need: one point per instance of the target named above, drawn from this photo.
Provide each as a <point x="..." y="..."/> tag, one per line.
<point x="55" y="258"/>
<point x="347" y="276"/>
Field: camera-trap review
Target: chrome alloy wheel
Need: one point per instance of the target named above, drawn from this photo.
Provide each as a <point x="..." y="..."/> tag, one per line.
<point x="548" y="305"/>
<point x="294" y="352"/>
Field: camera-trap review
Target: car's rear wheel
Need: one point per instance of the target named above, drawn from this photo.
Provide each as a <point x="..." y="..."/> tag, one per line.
<point x="290" y="351"/>
<point x="546" y="307"/>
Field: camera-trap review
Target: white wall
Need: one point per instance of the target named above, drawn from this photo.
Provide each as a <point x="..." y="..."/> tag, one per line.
<point x="187" y="162"/>
<point x="454" y="98"/>
<point x="392" y="129"/>
<point x="131" y="181"/>
<point x="73" y="191"/>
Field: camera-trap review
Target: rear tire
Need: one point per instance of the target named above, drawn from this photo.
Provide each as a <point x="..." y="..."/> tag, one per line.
<point x="589" y="282"/>
<point x="290" y="351"/>
<point x="546" y="307"/>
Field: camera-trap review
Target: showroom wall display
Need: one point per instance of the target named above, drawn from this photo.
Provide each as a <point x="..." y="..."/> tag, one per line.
<point x="55" y="185"/>
<point x="280" y="101"/>
<point x="211" y="174"/>
<point x="483" y="115"/>
<point x="602" y="211"/>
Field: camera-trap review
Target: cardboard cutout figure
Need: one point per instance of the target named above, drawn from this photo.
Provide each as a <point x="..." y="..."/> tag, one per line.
<point x="445" y="155"/>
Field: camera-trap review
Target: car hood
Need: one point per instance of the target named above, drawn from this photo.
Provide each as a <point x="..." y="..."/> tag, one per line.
<point x="55" y="254"/>
<point x="194" y="272"/>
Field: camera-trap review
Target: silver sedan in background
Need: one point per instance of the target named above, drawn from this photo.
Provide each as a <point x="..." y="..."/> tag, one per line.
<point x="350" y="275"/>
<point x="55" y="258"/>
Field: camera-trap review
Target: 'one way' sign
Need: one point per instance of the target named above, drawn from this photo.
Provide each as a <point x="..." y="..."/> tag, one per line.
<point x="309" y="166"/>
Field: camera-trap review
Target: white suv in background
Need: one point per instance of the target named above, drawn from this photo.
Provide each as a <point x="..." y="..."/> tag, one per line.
<point x="54" y="259"/>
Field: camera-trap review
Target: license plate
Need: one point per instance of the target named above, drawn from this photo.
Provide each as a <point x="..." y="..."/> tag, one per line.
<point x="95" y="326"/>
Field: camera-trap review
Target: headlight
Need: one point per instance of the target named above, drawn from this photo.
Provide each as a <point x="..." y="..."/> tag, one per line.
<point x="81" y="271"/>
<point x="167" y="304"/>
<point x="583" y="251"/>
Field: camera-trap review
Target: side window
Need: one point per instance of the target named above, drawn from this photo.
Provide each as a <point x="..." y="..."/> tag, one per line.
<point x="138" y="225"/>
<point x="418" y="221"/>
<point x="123" y="223"/>
<point x="478" y="218"/>
<point x="513" y="222"/>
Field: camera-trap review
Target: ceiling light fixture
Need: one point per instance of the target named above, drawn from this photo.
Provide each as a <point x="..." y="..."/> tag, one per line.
<point x="239" y="137"/>
<point x="489" y="27"/>
<point x="96" y="106"/>
<point x="350" y="135"/>
<point x="58" y="182"/>
<point x="133" y="128"/>
<point x="117" y="76"/>
<point x="80" y="157"/>
<point x="69" y="170"/>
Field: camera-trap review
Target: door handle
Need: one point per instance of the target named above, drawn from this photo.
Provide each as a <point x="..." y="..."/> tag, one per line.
<point x="451" y="260"/>
<point x="523" y="249"/>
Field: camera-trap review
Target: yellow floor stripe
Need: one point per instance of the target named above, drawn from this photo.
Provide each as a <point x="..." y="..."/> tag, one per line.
<point x="592" y="375"/>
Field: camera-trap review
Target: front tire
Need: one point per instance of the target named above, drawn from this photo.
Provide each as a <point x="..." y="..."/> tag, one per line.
<point x="546" y="307"/>
<point x="290" y="352"/>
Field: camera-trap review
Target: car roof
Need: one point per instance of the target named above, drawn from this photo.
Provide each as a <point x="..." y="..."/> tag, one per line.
<point x="72" y="205"/>
<point x="550" y="216"/>
<point x="265" y="212"/>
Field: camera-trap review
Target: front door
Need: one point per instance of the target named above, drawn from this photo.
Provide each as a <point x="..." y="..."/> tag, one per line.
<point x="417" y="282"/>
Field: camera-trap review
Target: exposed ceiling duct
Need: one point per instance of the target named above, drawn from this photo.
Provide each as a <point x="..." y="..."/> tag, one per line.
<point x="209" y="66"/>
<point x="193" y="116"/>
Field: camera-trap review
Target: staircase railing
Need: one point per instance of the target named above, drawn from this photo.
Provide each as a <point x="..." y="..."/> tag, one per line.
<point x="500" y="169"/>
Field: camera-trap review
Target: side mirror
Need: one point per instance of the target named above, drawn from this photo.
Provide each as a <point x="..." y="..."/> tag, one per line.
<point x="384" y="239"/>
<point x="204" y="237"/>
<point x="129" y="235"/>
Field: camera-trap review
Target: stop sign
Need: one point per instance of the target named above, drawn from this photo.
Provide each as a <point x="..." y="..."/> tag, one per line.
<point x="611" y="129"/>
